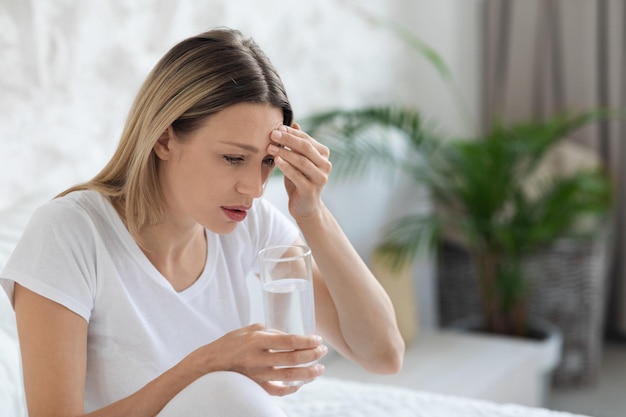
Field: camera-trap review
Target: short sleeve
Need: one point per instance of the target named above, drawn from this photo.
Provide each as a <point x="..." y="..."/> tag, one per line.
<point x="55" y="258"/>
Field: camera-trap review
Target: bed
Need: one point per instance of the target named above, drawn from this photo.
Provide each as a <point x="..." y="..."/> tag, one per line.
<point x="339" y="398"/>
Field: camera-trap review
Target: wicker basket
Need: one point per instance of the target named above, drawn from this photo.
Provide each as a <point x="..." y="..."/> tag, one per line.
<point x="567" y="288"/>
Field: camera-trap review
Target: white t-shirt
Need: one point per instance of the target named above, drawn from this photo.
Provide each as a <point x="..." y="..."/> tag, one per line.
<point x="77" y="252"/>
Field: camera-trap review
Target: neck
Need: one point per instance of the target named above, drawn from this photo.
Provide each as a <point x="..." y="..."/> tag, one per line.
<point x="178" y="254"/>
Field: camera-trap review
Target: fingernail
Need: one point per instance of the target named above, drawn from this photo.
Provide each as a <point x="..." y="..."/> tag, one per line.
<point x="319" y="368"/>
<point x="317" y="338"/>
<point x="273" y="149"/>
<point x="283" y="128"/>
<point x="276" y="134"/>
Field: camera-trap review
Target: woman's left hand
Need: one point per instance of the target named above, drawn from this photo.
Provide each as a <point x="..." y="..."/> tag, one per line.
<point x="305" y="165"/>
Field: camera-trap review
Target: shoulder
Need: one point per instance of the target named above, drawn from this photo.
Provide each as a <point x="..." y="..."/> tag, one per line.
<point x="72" y="212"/>
<point x="56" y="254"/>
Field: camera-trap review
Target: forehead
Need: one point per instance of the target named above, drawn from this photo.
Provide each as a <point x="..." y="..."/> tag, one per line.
<point x="243" y="121"/>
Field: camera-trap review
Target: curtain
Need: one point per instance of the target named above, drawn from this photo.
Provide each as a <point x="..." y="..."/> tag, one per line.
<point x="543" y="57"/>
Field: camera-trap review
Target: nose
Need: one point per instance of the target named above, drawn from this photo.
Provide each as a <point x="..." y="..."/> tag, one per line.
<point x="251" y="184"/>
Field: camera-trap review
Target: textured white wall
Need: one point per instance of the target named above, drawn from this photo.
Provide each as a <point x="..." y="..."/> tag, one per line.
<point x="70" y="69"/>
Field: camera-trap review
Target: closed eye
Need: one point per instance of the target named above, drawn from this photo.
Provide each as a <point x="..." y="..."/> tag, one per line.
<point x="233" y="160"/>
<point x="269" y="161"/>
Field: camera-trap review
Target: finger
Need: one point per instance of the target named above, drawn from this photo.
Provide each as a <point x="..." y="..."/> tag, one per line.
<point x="311" y="163"/>
<point x="298" y="141"/>
<point x="283" y="341"/>
<point x="310" y="171"/>
<point x="308" y="162"/>
<point x="305" y="182"/>
<point x="322" y="149"/>
<point x="303" y="373"/>
<point x="279" y="390"/>
<point x="296" y="357"/>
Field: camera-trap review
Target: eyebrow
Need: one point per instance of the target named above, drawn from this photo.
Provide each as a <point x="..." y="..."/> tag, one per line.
<point x="243" y="146"/>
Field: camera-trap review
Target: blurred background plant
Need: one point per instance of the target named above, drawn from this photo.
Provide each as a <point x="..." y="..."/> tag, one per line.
<point x="485" y="190"/>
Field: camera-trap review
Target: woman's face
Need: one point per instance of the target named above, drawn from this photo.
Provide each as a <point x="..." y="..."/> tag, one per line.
<point x="212" y="175"/>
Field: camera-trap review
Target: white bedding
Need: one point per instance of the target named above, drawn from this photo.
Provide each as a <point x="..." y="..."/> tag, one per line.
<point x="328" y="397"/>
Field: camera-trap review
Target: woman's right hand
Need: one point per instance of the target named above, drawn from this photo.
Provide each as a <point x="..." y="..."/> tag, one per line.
<point x="263" y="357"/>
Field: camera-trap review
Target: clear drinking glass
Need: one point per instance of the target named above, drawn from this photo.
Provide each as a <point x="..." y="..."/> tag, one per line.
<point x="287" y="285"/>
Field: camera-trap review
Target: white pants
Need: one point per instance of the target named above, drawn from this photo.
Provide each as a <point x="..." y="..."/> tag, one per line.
<point x="222" y="394"/>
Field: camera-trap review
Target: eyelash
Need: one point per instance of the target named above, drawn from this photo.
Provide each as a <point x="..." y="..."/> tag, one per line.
<point x="237" y="160"/>
<point x="233" y="160"/>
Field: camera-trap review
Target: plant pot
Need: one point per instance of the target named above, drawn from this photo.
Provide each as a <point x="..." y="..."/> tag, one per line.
<point x="567" y="282"/>
<point x="547" y="337"/>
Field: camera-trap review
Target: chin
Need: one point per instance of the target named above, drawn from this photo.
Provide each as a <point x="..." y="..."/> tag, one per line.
<point x="223" y="229"/>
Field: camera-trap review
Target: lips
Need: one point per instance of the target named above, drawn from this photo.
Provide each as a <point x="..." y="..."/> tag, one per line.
<point x="236" y="213"/>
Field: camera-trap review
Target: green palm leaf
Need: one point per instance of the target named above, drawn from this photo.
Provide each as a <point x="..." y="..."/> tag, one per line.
<point x="362" y="141"/>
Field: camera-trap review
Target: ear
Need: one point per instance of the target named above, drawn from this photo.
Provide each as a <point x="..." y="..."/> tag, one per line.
<point x="162" y="146"/>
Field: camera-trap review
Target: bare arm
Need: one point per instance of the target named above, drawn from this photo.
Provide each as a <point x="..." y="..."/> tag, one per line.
<point x="53" y="343"/>
<point x="353" y="311"/>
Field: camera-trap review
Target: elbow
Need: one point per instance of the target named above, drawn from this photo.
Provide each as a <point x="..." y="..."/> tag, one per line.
<point x="392" y="363"/>
<point x="388" y="361"/>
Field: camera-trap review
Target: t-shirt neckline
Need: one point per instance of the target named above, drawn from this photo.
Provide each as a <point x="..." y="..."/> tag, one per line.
<point x="135" y="252"/>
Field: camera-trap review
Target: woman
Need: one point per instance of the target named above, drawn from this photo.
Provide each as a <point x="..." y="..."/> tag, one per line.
<point x="129" y="290"/>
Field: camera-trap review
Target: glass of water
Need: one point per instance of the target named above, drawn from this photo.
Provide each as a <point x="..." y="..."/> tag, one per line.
<point x="287" y="285"/>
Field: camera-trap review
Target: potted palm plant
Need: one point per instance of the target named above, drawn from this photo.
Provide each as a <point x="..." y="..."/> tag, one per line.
<point x="481" y="187"/>
<point x="488" y="201"/>
<point x="481" y="191"/>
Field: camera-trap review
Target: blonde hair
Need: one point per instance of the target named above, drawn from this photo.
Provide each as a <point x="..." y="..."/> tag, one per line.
<point x="195" y="79"/>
